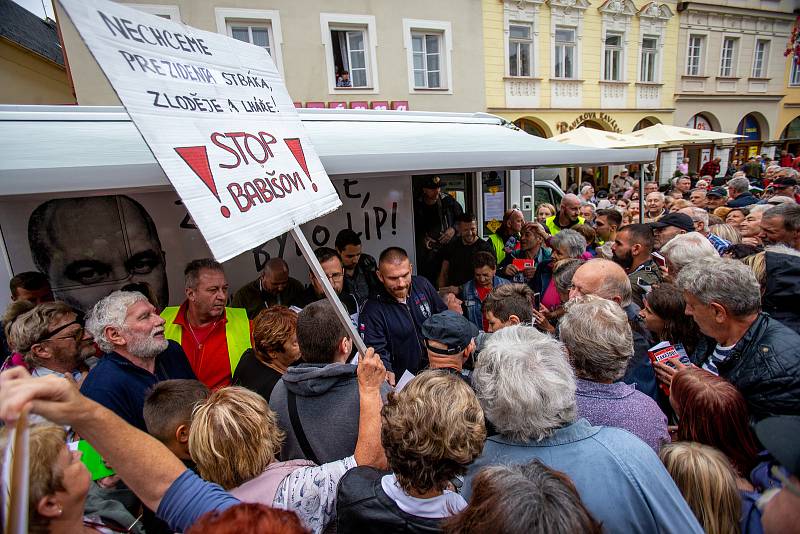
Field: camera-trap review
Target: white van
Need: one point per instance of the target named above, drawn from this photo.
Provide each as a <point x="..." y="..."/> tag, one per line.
<point x="93" y="160"/>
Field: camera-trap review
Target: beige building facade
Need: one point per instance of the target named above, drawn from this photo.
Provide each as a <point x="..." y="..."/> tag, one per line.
<point x="414" y="54"/>
<point x="731" y="73"/>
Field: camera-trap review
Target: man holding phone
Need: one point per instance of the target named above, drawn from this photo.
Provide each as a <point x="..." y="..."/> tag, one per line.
<point x="632" y="250"/>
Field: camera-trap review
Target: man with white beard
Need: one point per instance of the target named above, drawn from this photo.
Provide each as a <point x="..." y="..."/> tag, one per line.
<point x="131" y="332"/>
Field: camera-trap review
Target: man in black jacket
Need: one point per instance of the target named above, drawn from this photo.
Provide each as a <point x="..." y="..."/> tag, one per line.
<point x="360" y="278"/>
<point x="757" y="354"/>
<point x="391" y="322"/>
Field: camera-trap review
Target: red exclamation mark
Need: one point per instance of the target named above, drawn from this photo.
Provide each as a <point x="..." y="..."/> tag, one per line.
<point x="297" y="151"/>
<point x="196" y="158"/>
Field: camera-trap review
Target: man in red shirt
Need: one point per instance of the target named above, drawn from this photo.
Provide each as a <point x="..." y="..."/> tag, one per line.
<point x="212" y="336"/>
<point x="710" y="168"/>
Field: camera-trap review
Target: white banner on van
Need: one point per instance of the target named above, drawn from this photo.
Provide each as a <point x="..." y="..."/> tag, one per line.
<point x="218" y="118"/>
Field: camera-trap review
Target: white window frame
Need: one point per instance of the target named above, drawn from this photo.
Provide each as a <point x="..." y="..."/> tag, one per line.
<point x="254" y="17"/>
<point x="764" y="70"/>
<point x="620" y="50"/>
<point x="444" y="30"/>
<point x="575" y="55"/>
<point x="794" y="73"/>
<point x="655" y="61"/>
<point x="731" y="70"/>
<point x="169" y="11"/>
<point x="344" y="22"/>
<point x="249" y="26"/>
<point x="701" y="57"/>
<point x="519" y="43"/>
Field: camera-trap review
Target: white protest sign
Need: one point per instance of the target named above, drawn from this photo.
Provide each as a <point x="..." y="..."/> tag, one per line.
<point x="217" y="116"/>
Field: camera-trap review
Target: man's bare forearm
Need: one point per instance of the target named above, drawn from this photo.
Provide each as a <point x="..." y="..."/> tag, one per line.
<point x="369" y="450"/>
<point x="146" y="465"/>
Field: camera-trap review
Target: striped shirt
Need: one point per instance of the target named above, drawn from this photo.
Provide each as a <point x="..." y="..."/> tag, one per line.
<point x="719" y="356"/>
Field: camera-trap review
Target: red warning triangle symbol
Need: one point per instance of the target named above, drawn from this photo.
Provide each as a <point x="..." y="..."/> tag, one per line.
<point x="297" y="151"/>
<point x="196" y="157"/>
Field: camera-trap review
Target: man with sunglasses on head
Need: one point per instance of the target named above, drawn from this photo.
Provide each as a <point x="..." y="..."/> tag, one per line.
<point x="52" y="340"/>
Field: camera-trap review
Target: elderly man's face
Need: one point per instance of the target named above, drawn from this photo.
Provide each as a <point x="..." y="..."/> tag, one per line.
<point x="587" y="212"/>
<point x="751" y="225"/>
<point x="698" y="198"/>
<point x="774" y="232"/>
<point x="707" y="316"/>
<point x="516" y="221"/>
<point x="684" y="184"/>
<point x="714" y="202"/>
<point x="664" y="235"/>
<point x="70" y="346"/>
<point x="144" y="330"/>
<point x="585" y="281"/>
<point x="650" y="187"/>
<point x="654" y="202"/>
<point x="95" y="246"/>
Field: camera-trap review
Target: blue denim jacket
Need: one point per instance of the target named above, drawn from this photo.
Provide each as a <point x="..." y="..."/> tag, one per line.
<point x="619" y="478"/>
<point x="473" y="307"/>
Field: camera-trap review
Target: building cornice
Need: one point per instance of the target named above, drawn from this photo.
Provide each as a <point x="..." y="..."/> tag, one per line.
<point x="713" y="97"/>
<point x="582" y="110"/>
<point x="717" y="8"/>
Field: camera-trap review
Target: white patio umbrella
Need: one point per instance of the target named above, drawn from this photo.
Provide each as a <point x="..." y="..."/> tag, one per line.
<point x="592" y="137"/>
<point x="680" y="135"/>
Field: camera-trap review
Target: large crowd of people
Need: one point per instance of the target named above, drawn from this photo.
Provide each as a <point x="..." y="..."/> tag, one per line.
<point x="586" y="371"/>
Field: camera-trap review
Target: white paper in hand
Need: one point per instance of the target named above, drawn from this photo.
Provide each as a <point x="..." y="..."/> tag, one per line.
<point x="404" y="380"/>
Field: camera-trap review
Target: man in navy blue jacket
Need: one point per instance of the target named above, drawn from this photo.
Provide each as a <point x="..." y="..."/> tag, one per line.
<point x="131" y="333"/>
<point x="391" y="321"/>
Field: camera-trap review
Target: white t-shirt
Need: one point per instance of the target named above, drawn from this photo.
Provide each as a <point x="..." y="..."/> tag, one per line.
<point x="444" y="505"/>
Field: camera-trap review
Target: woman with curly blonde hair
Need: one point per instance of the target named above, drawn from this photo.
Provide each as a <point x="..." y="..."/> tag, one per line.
<point x="234" y="440"/>
<point x="431" y="431"/>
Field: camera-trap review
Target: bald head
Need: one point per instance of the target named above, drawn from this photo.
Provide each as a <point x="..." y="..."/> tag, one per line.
<point x="570" y="210"/>
<point x="275" y="278"/>
<point x="602" y="278"/>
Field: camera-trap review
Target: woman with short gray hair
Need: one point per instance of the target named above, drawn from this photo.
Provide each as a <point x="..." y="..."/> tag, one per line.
<point x="566" y="244"/>
<point x="526" y="387"/>
<point x="598" y="339"/>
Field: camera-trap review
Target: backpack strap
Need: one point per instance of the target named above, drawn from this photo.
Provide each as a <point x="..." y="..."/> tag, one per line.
<point x="297" y="426"/>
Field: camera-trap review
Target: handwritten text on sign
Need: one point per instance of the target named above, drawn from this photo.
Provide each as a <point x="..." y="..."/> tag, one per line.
<point x="217" y="116"/>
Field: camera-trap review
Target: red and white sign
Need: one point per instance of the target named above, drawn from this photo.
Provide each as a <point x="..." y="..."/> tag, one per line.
<point x="218" y="118"/>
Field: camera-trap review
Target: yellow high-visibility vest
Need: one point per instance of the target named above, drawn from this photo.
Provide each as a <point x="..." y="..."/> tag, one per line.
<point x="237" y="331"/>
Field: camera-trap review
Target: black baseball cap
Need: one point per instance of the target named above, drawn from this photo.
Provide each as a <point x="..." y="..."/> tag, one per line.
<point x="431" y="181"/>
<point x="719" y="192"/>
<point x="451" y="329"/>
<point x="779" y="434"/>
<point x="678" y="220"/>
<point x="784" y="181"/>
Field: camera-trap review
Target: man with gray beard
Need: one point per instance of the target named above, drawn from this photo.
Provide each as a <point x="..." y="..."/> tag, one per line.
<point x="129" y="330"/>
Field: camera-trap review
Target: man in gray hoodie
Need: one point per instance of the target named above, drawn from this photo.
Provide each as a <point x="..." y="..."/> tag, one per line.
<point x="317" y="400"/>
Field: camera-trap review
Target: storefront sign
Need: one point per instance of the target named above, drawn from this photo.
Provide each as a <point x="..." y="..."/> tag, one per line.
<point x="589" y="116"/>
<point x="218" y="118"/>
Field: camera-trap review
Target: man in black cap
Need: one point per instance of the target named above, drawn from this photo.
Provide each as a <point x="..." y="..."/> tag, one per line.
<point x="669" y="226"/>
<point x="716" y="197"/>
<point x="449" y="340"/>
<point x="785" y="186"/>
<point x="435" y="216"/>
<point x="780" y="508"/>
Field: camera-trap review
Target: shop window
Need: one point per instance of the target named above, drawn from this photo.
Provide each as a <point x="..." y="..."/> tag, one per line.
<point x="564" y="53"/>
<point x="727" y="65"/>
<point x="520" y="49"/>
<point x="649" y="59"/>
<point x="612" y="70"/>
<point x="760" y="58"/>
<point x="694" y="55"/>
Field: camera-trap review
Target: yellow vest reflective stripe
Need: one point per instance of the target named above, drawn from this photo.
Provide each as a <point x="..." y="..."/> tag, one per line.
<point x="499" y="247"/>
<point x="237" y="331"/>
<point x="553" y="228"/>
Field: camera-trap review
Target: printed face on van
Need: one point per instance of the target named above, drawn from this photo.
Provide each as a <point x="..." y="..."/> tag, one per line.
<point x="90" y="247"/>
